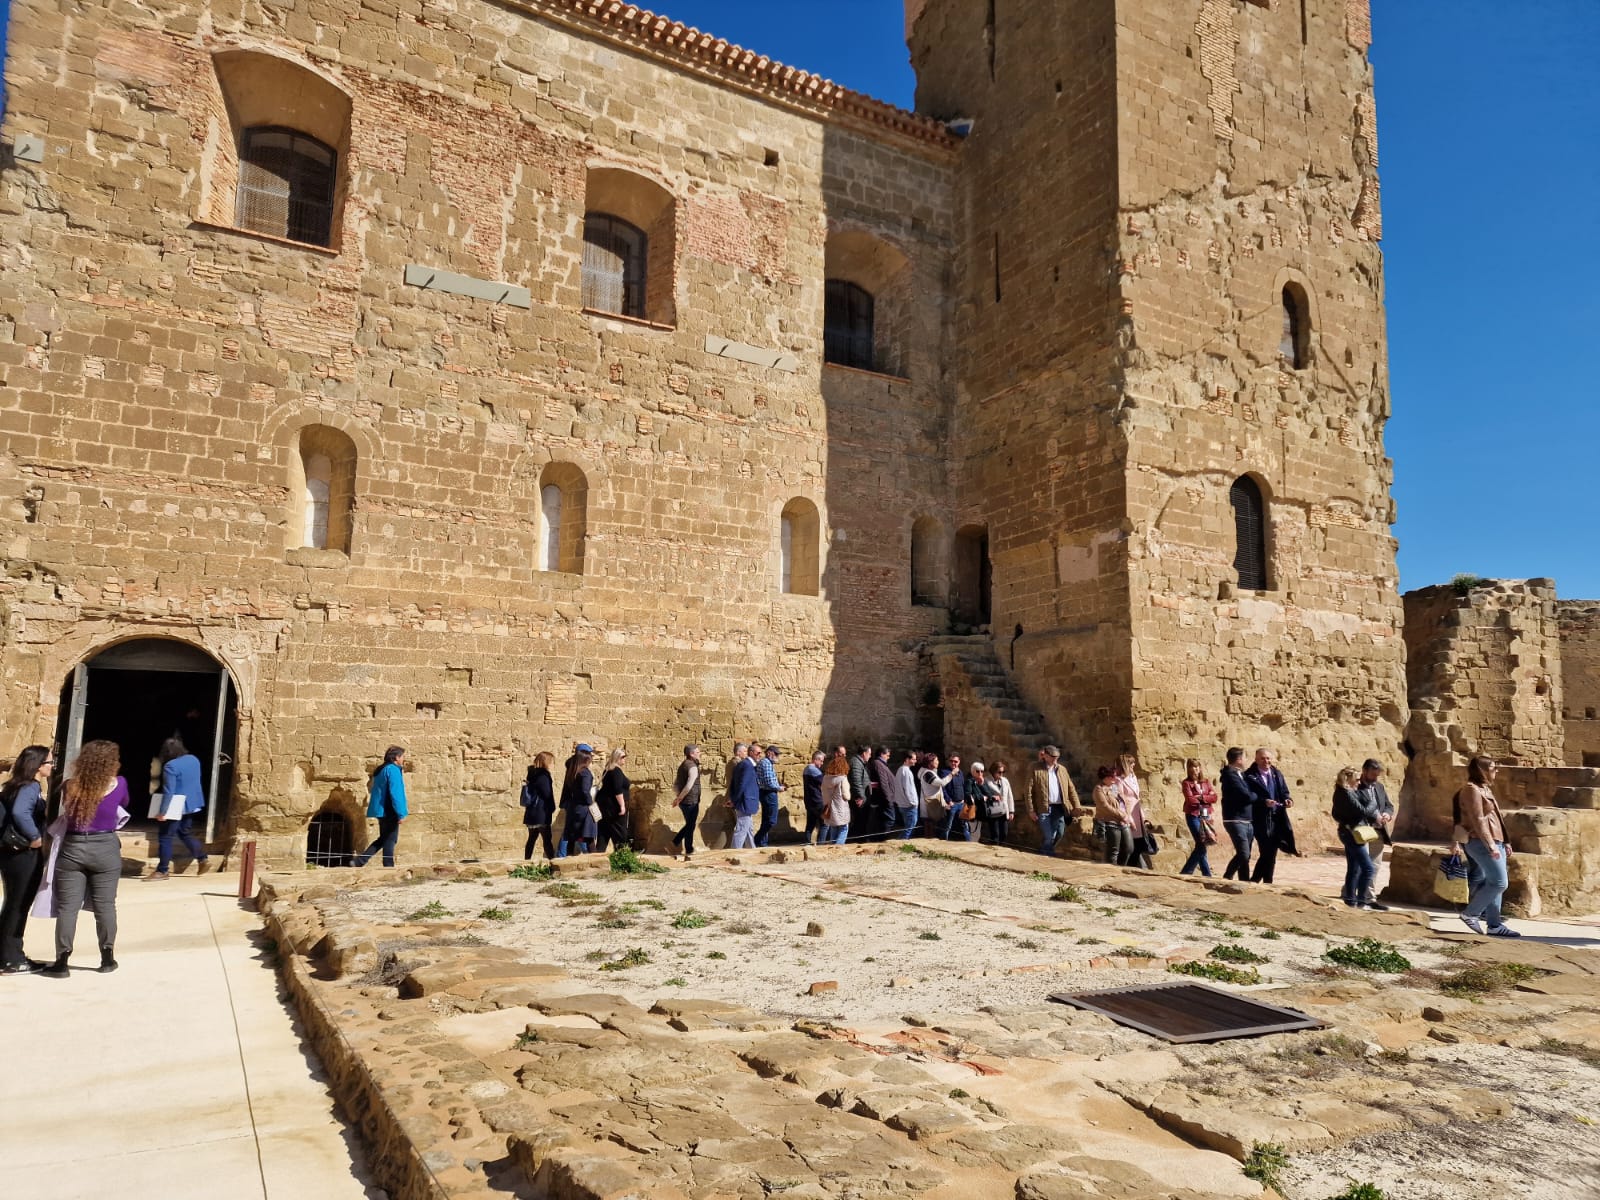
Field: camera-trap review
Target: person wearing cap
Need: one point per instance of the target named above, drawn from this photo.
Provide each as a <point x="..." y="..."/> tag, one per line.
<point x="686" y="799"/>
<point x="744" y="796"/>
<point x="579" y="830"/>
<point x="769" y="787"/>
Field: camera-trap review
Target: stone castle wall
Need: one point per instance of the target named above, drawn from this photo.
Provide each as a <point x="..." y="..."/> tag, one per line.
<point x="157" y="368"/>
<point x="1119" y="352"/>
<point x="1579" y="623"/>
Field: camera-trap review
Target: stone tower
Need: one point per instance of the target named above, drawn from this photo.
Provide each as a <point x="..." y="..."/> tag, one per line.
<point x="1171" y="372"/>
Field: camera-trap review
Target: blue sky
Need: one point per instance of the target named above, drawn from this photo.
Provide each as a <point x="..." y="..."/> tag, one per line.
<point x="1487" y="120"/>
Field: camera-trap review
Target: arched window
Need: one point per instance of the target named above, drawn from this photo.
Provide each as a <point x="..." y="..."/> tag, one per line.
<point x="1295" y="348"/>
<point x="629" y="245"/>
<point x="799" y="548"/>
<point x="615" y="265"/>
<point x="563" y="504"/>
<point x="550" y="528"/>
<point x="1250" y="533"/>
<point x="927" y="563"/>
<point x="286" y="182"/>
<point x="322" y="489"/>
<point x="847" y="326"/>
<point x="328" y="840"/>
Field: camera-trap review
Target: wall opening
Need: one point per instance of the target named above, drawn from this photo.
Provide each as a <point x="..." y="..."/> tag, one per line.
<point x="329" y="840"/>
<point x="1250" y="533"/>
<point x="867" y="303"/>
<point x="322" y="490"/>
<point x="928" y="568"/>
<point x="137" y="694"/>
<point x="563" y="518"/>
<point x="973" y="577"/>
<point x="799" y="549"/>
<point x="1295" y="344"/>
<point x="629" y="246"/>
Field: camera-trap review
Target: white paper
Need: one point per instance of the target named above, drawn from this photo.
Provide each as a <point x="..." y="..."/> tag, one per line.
<point x="168" y="808"/>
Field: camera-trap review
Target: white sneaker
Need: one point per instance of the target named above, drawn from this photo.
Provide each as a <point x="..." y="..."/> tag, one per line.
<point x="1472" y="923"/>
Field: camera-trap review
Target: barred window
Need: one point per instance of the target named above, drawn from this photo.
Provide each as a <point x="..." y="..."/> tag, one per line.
<point x="1250" y="532"/>
<point x="847" y="325"/>
<point x="615" y="255"/>
<point x="286" y="185"/>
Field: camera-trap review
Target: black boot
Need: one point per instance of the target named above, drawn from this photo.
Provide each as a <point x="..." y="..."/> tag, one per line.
<point x="108" y="964"/>
<point x="57" y="969"/>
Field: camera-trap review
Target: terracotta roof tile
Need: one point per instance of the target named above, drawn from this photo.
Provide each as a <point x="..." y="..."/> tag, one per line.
<point x="683" y="45"/>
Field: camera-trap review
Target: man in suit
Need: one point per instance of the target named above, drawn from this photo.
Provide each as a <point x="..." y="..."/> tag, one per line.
<point x="1052" y="799"/>
<point x="744" y="797"/>
<point x="1270" y="790"/>
<point x="1238" y="814"/>
<point x="861" y="794"/>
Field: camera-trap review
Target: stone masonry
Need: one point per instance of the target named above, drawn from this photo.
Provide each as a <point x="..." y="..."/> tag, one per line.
<point x="1579" y="623"/>
<point x="1079" y="311"/>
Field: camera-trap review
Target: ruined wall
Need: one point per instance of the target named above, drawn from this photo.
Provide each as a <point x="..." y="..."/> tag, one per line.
<point x="157" y="367"/>
<point x="1484" y="674"/>
<point x="1247" y="164"/>
<point x="1579" y="624"/>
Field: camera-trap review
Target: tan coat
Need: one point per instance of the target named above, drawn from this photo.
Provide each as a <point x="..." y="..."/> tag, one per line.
<point x="1480" y="816"/>
<point x="1039" y="792"/>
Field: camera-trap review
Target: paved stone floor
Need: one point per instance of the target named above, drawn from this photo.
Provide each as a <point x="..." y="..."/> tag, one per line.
<point x="179" y="1075"/>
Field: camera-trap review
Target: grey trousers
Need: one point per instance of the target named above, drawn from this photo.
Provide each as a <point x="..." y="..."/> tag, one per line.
<point x="89" y="863"/>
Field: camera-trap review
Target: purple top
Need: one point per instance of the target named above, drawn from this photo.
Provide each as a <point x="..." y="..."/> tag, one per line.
<point x="105" y="814"/>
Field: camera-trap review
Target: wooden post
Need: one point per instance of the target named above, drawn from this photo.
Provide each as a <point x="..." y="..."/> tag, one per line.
<point x="247" y="869"/>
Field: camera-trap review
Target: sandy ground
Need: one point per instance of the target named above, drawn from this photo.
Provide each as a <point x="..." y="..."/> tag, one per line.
<point x="899" y="934"/>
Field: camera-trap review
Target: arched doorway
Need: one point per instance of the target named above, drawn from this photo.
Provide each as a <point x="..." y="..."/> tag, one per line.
<point x="969" y="600"/>
<point x="137" y="694"/>
<point x="329" y="840"/>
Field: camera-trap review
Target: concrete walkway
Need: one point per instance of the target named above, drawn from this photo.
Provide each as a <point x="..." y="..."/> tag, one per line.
<point x="181" y="1074"/>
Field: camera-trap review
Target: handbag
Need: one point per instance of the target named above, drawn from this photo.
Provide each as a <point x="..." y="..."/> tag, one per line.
<point x="969" y="811"/>
<point x="13" y="838"/>
<point x="1365" y="834"/>
<point x="1148" y="844"/>
<point x="594" y="811"/>
<point x="1450" y="885"/>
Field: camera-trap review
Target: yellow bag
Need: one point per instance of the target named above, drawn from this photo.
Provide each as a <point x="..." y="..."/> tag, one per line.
<point x="1451" y="891"/>
<point x="1365" y="834"/>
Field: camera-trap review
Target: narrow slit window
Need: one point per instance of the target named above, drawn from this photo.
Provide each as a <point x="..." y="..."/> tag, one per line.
<point x="1250" y="533"/>
<point x="286" y="185"/>
<point x="615" y="255"/>
<point x="1295" y="346"/>
<point x="848" y="325"/>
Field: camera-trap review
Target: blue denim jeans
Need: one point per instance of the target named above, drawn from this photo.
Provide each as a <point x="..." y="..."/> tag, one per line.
<point x="1243" y="835"/>
<point x="1488" y="882"/>
<point x="833" y="835"/>
<point x="1052" y="827"/>
<point x="1197" y="857"/>
<point x="388" y="835"/>
<point x="769" y="817"/>
<point x="179" y="829"/>
<point x="1359" y="871"/>
<point x="902" y="819"/>
<point x="955" y="829"/>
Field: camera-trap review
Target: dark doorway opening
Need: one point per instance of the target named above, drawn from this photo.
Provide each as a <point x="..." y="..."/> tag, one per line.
<point x="973" y="576"/>
<point x="141" y="692"/>
<point x="328" y="840"/>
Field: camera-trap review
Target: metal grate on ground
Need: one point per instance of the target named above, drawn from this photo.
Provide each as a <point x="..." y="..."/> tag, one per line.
<point x="1189" y="1012"/>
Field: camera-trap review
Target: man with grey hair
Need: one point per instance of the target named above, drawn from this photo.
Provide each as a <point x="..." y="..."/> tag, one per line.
<point x="744" y="797"/>
<point x="686" y="798"/>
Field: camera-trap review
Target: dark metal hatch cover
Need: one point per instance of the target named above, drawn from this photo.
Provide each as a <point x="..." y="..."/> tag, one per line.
<point x="1189" y="1012"/>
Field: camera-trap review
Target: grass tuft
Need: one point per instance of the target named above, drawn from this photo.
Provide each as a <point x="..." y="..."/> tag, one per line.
<point x="1370" y="955"/>
<point x="431" y="911"/>
<point x="1216" y="972"/>
<point x="692" y="918"/>
<point x="1484" y="979"/>
<point x="1066" y="892"/>
<point x="625" y="862"/>
<point x="1265" y="1164"/>
<point x="1236" y="954"/>
<point x="637" y="957"/>
<point x="533" y="872"/>
<point x="495" y="913"/>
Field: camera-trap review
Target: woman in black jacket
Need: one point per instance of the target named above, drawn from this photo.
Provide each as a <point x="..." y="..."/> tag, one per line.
<point x="539" y="805"/>
<point x="578" y="834"/>
<point x="22" y="808"/>
<point x="613" y="801"/>
<point x="1353" y="811"/>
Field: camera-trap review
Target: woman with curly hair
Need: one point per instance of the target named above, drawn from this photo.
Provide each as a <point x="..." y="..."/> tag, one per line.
<point x="90" y="860"/>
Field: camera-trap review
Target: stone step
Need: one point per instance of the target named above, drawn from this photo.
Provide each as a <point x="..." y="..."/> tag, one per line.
<point x="1576" y="797"/>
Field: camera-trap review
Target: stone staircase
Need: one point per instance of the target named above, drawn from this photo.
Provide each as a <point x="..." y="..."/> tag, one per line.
<point x="984" y="714"/>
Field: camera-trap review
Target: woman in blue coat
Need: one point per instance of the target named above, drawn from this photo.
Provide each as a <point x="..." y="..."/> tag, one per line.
<point x="387" y="803"/>
<point x="180" y="776"/>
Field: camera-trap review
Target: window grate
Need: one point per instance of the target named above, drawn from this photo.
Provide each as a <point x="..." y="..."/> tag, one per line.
<point x="614" y="258"/>
<point x="328" y="842"/>
<point x="286" y="184"/>
<point x="1189" y="1012"/>
<point x="1250" y="533"/>
<point x="848" y="326"/>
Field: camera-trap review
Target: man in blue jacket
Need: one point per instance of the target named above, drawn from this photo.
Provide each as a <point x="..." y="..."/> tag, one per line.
<point x="386" y="802"/>
<point x="180" y="776"/>
<point x="744" y="796"/>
